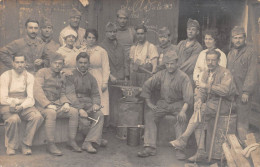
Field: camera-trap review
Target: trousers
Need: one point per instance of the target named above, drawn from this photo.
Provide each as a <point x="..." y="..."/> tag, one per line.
<point x="152" y="118"/>
<point x="51" y="115"/>
<point x="95" y="132"/>
<point x="12" y="124"/>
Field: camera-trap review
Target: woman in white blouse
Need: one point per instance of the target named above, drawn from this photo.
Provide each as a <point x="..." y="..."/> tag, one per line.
<point x="99" y="66"/>
<point x="210" y="40"/>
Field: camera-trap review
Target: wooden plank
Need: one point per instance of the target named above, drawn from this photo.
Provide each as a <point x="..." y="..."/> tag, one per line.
<point x="255" y="155"/>
<point x="236" y="149"/>
<point x="229" y="158"/>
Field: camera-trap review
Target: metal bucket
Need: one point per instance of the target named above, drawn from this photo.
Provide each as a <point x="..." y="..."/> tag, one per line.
<point x="121" y="133"/>
<point x="133" y="136"/>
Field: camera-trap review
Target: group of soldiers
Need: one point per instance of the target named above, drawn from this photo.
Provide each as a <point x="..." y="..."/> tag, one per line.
<point x="175" y="79"/>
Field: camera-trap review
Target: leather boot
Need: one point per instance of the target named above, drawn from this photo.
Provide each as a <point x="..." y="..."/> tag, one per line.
<point x="87" y="146"/>
<point x="74" y="146"/>
<point x="200" y="155"/>
<point x="26" y="150"/>
<point x="10" y="151"/>
<point x="53" y="149"/>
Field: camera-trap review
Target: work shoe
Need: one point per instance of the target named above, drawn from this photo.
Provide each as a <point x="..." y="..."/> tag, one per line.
<point x="26" y="150"/>
<point x="75" y="147"/>
<point x="180" y="155"/>
<point x="53" y="149"/>
<point x="87" y="146"/>
<point x="200" y="155"/>
<point x="103" y="143"/>
<point x="10" y="151"/>
<point x="179" y="143"/>
<point x="148" y="151"/>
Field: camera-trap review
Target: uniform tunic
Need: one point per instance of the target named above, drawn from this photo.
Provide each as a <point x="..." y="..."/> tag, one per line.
<point x="99" y="68"/>
<point x="86" y="90"/>
<point x="201" y="64"/>
<point x="175" y="90"/>
<point x="18" y="89"/>
<point x="125" y="37"/>
<point x="50" y="89"/>
<point x="119" y="69"/>
<point x="32" y="49"/>
<point x="79" y="41"/>
<point x="50" y="47"/>
<point x="188" y="56"/>
<point x="242" y="64"/>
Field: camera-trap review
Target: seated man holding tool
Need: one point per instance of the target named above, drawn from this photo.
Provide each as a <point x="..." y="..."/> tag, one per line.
<point x="215" y="95"/>
<point x="87" y="100"/>
<point x="176" y="96"/>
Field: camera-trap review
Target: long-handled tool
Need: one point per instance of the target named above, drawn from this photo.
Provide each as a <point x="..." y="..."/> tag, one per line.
<point x="125" y="126"/>
<point x="214" y="130"/>
<point x="88" y="111"/>
<point x="145" y="70"/>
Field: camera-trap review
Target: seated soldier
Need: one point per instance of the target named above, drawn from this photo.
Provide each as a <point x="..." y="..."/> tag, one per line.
<point x="176" y="96"/>
<point x="87" y="100"/>
<point x="49" y="91"/>
<point x="17" y="102"/>
<point x="215" y="83"/>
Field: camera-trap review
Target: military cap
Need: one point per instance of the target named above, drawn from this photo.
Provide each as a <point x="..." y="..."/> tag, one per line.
<point x="170" y="56"/>
<point x="74" y="12"/>
<point x="193" y="23"/>
<point x="111" y="26"/>
<point x="68" y="32"/>
<point x="164" y="31"/>
<point x="45" y="22"/>
<point x="123" y="12"/>
<point x="54" y="56"/>
<point x="237" y="30"/>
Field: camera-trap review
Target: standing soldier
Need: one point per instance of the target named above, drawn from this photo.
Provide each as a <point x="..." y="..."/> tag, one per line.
<point x="164" y="38"/>
<point x="242" y="64"/>
<point x="49" y="91"/>
<point x="74" y="22"/>
<point x="188" y="50"/>
<point x="125" y="34"/>
<point x="143" y="56"/>
<point x="47" y="37"/>
<point x="18" y="103"/>
<point x="30" y="46"/>
<point x="118" y="68"/>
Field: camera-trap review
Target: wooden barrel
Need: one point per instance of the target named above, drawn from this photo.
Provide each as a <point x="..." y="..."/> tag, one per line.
<point x="220" y="134"/>
<point x="130" y="114"/>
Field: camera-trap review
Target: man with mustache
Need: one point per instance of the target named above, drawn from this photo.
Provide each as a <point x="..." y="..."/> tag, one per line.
<point x="74" y="22"/>
<point x="215" y="83"/>
<point x="30" y="46"/>
<point x="87" y="100"/>
<point x="188" y="50"/>
<point x="143" y="55"/>
<point x="176" y="96"/>
<point x="242" y="63"/>
<point x="17" y="102"/>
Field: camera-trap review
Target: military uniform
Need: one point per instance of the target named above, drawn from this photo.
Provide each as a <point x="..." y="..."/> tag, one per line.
<point x="31" y="49"/>
<point x="242" y="64"/>
<point x="49" y="89"/>
<point x="119" y="68"/>
<point x="85" y="87"/>
<point x="175" y="90"/>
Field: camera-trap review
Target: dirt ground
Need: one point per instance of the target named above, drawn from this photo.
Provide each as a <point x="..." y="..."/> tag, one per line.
<point x="116" y="154"/>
